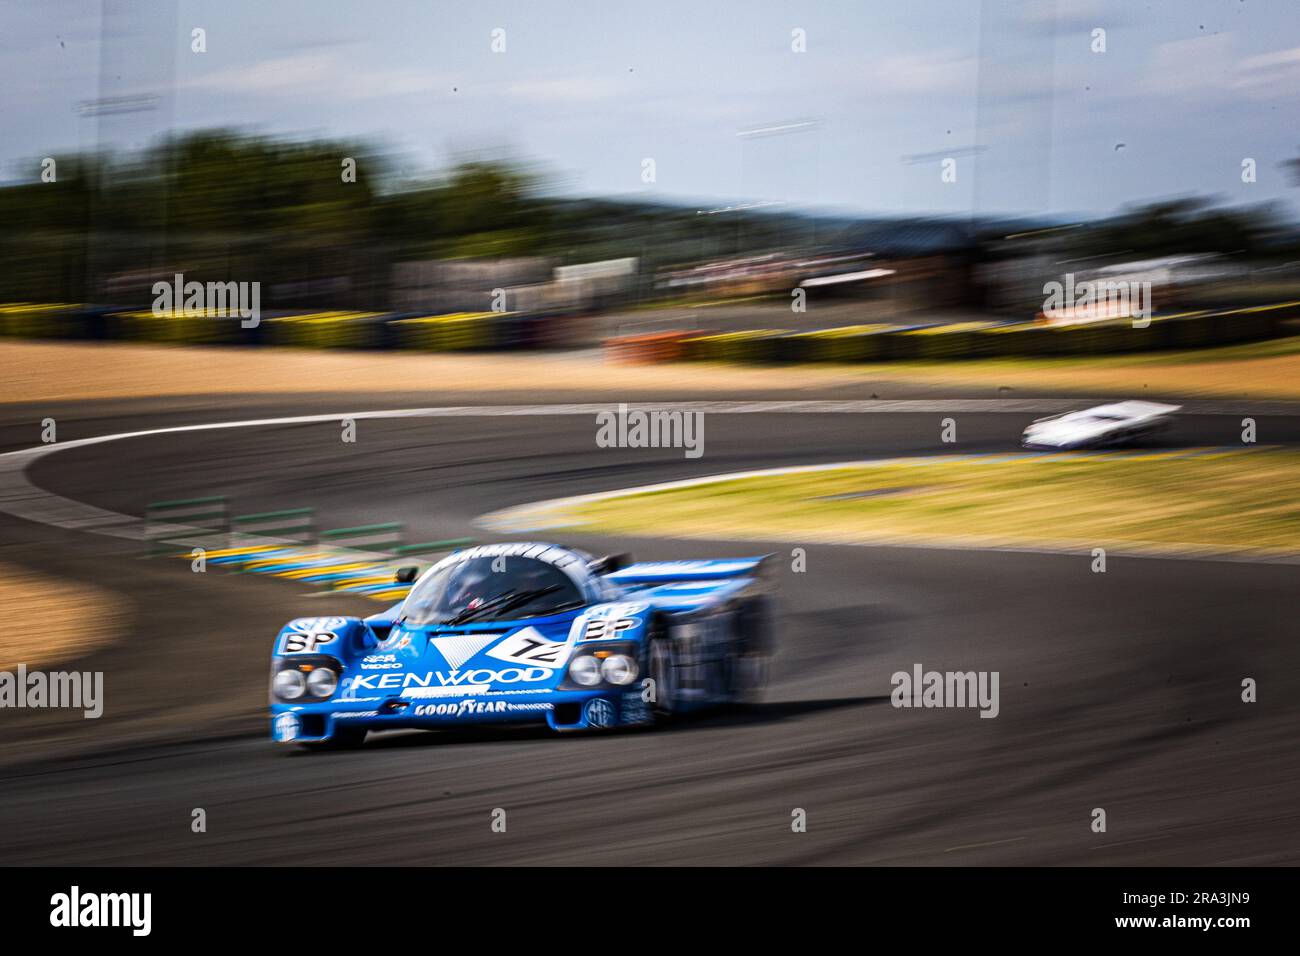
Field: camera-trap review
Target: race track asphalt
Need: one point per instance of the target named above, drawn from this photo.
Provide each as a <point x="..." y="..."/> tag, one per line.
<point x="1119" y="691"/>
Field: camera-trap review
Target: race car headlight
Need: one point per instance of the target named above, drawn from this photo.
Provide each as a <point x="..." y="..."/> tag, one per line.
<point x="322" y="682"/>
<point x="585" y="670"/>
<point x="289" y="684"/>
<point x="618" y="669"/>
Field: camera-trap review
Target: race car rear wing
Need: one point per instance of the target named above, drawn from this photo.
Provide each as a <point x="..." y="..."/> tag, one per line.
<point x="659" y="572"/>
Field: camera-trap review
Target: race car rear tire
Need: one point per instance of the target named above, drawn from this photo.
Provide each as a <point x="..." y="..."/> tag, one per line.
<point x="663" y="672"/>
<point x="747" y="668"/>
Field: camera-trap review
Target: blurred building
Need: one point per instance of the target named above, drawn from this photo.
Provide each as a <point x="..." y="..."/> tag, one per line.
<point x="906" y="265"/>
<point x="532" y="284"/>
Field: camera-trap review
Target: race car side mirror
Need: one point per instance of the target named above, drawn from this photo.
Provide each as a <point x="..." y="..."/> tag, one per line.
<point x="610" y="563"/>
<point x="406" y="575"/>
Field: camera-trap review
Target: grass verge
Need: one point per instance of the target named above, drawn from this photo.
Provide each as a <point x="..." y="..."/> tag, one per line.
<point x="1245" y="500"/>
<point x="49" y="371"/>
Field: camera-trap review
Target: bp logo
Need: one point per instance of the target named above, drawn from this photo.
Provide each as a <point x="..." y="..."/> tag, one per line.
<point x="286" y="727"/>
<point x="599" y="713"/>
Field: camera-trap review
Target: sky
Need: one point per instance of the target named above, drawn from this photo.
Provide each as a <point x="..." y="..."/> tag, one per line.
<point x="1034" y="119"/>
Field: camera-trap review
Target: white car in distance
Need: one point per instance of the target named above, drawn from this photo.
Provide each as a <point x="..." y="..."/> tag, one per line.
<point x="1105" y="426"/>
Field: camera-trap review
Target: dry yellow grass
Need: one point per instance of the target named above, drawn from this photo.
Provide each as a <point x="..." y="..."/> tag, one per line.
<point x="1241" y="501"/>
<point x="47" y="371"/>
<point x="1275" y="376"/>
<point x="48" y="621"/>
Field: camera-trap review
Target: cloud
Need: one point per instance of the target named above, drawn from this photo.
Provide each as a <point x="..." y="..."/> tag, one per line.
<point x="1207" y="67"/>
<point x="344" y="75"/>
<point x="324" y="75"/>
<point x="303" y="71"/>
<point x="1270" y="74"/>
<point x="1199" y="64"/>
<point x="565" y="91"/>
<point x="1045" y="19"/>
<point x="907" y="74"/>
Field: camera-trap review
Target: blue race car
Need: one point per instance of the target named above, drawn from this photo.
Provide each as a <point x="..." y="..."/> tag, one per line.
<point x="528" y="632"/>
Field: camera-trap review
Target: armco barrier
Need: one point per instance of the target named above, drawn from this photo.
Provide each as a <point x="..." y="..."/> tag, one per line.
<point x="694" y="347"/>
<point x="36" y="320"/>
<point x="434" y="547"/>
<point x="329" y="330"/>
<point x="960" y="340"/>
<point x="899" y="344"/>
<point x="563" y="330"/>
<point x="457" y="332"/>
<point x="1263" y="321"/>
<point x="792" y="348"/>
<point x="747" y="346"/>
<point x="1192" y="330"/>
<point x="1093" y="338"/>
<point x="515" y="331"/>
<point x="489" y="330"/>
<point x="184" y="523"/>
<point x="1016" y="340"/>
<point x="754" y="347"/>
<point x="333" y="566"/>
<point x="853" y="343"/>
<point x="767" y="350"/>
<point x="177" y="328"/>
<point x="293" y="524"/>
<point x="867" y="343"/>
<point x="385" y="537"/>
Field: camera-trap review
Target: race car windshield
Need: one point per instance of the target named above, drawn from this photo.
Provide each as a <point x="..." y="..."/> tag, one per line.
<point x="476" y="590"/>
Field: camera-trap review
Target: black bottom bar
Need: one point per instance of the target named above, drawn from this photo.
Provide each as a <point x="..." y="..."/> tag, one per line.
<point x="328" y="907"/>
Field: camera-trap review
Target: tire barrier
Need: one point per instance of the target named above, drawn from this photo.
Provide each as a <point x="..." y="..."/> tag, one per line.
<point x="963" y="340"/>
<point x="483" y="331"/>
<point x="646" y="349"/>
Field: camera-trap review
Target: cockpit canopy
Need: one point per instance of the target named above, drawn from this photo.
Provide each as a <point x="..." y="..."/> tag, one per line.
<point x="491" y="588"/>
